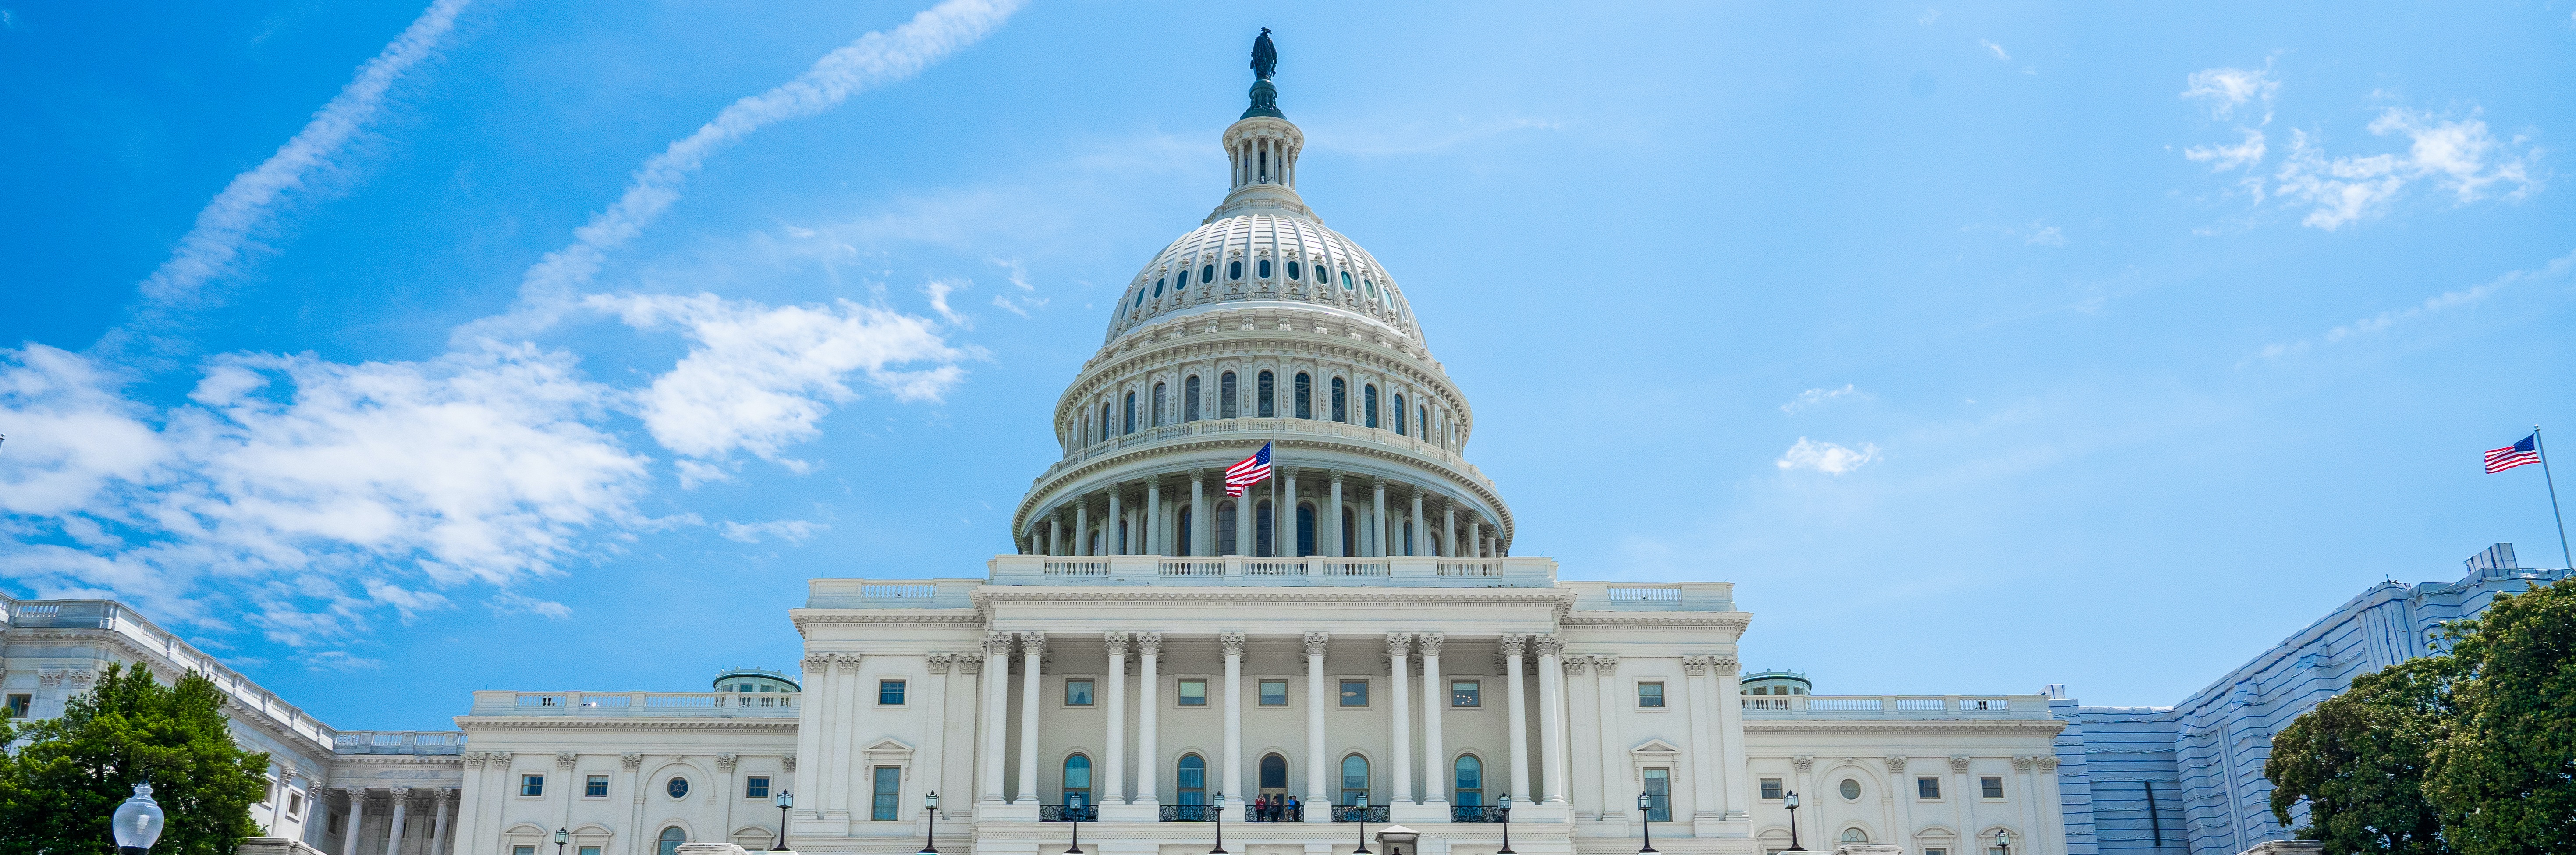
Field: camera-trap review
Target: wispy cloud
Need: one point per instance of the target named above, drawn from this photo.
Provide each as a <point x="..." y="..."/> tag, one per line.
<point x="1825" y="457"/>
<point x="1813" y="398"/>
<point x="1996" y="49"/>
<point x="792" y="531"/>
<point x="2557" y="268"/>
<point x="1928" y="17"/>
<point x="2222" y="158"/>
<point x="2458" y="155"/>
<point x="2226" y="89"/>
<point x="228" y="225"/>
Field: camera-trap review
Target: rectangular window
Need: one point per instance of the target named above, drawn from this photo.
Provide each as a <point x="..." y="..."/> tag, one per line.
<point x="1927" y="788"/>
<point x="1354" y="693"/>
<point x="295" y="804"/>
<point x="532" y="785"/>
<point x="1659" y="795"/>
<point x="20" y="706"/>
<point x="1650" y="695"/>
<point x="590" y="850"/>
<point x="1274" y="693"/>
<point x="889" y="693"/>
<point x="1935" y="850"/>
<point x="1077" y="693"/>
<point x="1193" y="693"/>
<point x="755" y="787"/>
<point x="596" y="787"/>
<point x="523" y="850"/>
<point x="1465" y="693"/>
<point x="889" y="787"/>
<point x="1994" y="787"/>
<point x="1771" y="788"/>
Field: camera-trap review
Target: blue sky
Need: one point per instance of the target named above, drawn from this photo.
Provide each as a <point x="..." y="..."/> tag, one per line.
<point x="392" y="351"/>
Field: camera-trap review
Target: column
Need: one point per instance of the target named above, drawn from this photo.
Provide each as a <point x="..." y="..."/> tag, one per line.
<point x="1615" y="787"/>
<point x="1377" y="519"/>
<point x="725" y="765"/>
<point x="1114" y="524"/>
<point x="1114" y="786"/>
<point x="1901" y="803"/>
<point x="402" y="803"/>
<point x="997" y="697"/>
<point x="1704" y="776"/>
<point x="1332" y="515"/>
<point x="845" y="693"/>
<point x="1245" y="521"/>
<point x="1318" y="785"/>
<point x="1448" y="529"/>
<point x="1055" y="535"/>
<point x="1966" y="799"/>
<point x="1233" y="643"/>
<point x="1435" y="702"/>
<point x="446" y="806"/>
<point x="358" y="818"/>
<point x="933" y="763"/>
<point x="1202" y="518"/>
<point x="1727" y="674"/>
<point x="1154" y="518"/>
<point x="1149" y="759"/>
<point x="2022" y="767"/>
<point x="1421" y="536"/>
<point x="1475" y="537"/>
<point x="1032" y="647"/>
<point x="1399" y="649"/>
<point x="633" y="764"/>
<point x="1082" y="527"/>
<point x="1551" y="718"/>
<point x="1518" y="698"/>
<point x="1283" y="531"/>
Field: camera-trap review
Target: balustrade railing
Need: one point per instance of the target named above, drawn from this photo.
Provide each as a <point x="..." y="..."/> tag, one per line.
<point x="1360" y="813"/>
<point x="1479" y="813"/>
<point x="1068" y="813"/>
<point x="1895" y="706"/>
<point x="1189" y="813"/>
<point x="641" y="704"/>
<point x="1274" y="813"/>
<point x="1399" y="570"/>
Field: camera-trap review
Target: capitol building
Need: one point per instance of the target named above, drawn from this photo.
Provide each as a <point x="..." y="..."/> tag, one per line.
<point x="1345" y="646"/>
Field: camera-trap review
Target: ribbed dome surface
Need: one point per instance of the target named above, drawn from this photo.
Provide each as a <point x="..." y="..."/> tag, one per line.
<point x="1224" y="261"/>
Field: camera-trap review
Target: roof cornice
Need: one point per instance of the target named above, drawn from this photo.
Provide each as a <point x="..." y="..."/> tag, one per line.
<point x="1549" y="596"/>
<point x="469" y="723"/>
<point x="2033" y="726"/>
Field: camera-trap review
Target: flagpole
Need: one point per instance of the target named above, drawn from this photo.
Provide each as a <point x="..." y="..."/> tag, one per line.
<point x="2543" y="448"/>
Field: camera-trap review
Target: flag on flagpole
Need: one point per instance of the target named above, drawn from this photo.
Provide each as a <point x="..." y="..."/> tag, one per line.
<point x="1249" y="472"/>
<point x="2521" y="453"/>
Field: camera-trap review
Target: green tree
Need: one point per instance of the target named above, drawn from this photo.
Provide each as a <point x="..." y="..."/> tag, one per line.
<point x="2504" y="778"/>
<point x="2359" y="760"/>
<point x="68" y="774"/>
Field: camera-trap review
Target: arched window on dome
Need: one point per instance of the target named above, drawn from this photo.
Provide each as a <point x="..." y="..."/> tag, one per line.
<point x="1305" y="530"/>
<point x="1305" y="396"/>
<point x="1368" y="405"/>
<point x="1159" y="409"/>
<point x="1399" y="414"/>
<point x="1265" y="396"/>
<point x="1158" y="289"/>
<point x="1350" y="533"/>
<point x="1104" y="423"/>
<point x="1422" y="416"/>
<point x="1346" y="280"/>
<point x="1181" y="532"/>
<point x="1292" y="270"/>
<point x="1140" y="299"/>
<point x="1341" y="402"/>
<point x="1234" y="270"/>
<point x="1408" y="537"/>
<point x="1207" y="274"/>
<point x="1190" y="399"/>
<point x="1323" y="275"/>
<point x="1129" y="424"/>
<point x="1264" y="539"/>
<point x="1264" y="268"/>
<point x="1226" y="405"/>
<point x="1369" y="287"/>
<point x="1225" y="523"/>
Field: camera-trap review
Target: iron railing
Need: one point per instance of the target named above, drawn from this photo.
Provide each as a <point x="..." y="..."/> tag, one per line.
<point x="1359" y="813"/>
<point x="1068" y="813"/>
<point x="1479" y="813"/>
<point x="1190" y="813"/>
<point x="1274" y="813"/>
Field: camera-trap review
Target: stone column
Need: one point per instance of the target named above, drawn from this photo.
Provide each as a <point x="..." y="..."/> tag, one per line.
<point x="1082" y="527"/>
<point x="1377" y="519"/>
<point x="1727" y="674"/>
<point x="1055" y="535"/>
<point x="1551" y="718"/>
<point x="358" y="819"/>
<point x="845" y="692"/>
<point x="633" y="764"/>
<point x="1697" y="711"/>
<point x="1233" y="644"/>
<point x="1435" y="703"/>
<point x="997" y="699"/>
<point x="2022" y="769"/>
<point x="1116" y="740"/>
<point x="934" y="752"/>
<point x="1202" y="518"/>
<point x="1032" y="690"/>
<point x="564" y="763"/>
<point x="1334" y="516"/>
<point x="1283" y="531"/>
<point x="1420" y="535"/>
<point x="439" y="806"/>
<point x="1399" y="649"/>
<point x="1318" y="785"/>
<point x="2052" y="822"/>
<point x="1614" y="786"/>
<point x="1901" y="800"/>
<point x="1154" y="518"/>
<point x="725" y="765"/>
<point x="1115" y="524"/>
<point x="1449" y="529"/>
<point x="1518" y="717"/>
<point x="1149" y="760"/>
<point x="1966" y="799"/>
<point x="402" y="805"/>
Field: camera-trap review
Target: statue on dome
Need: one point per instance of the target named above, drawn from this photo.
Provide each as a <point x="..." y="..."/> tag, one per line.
<point x="1265" y="56"/>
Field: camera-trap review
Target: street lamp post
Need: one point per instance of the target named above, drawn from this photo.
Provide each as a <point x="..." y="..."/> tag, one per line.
<point x="1646" y="812"/>
<point x="562" y="836"/>
<point x="1362" y="815"/>
<point x="1507" y="828"/>
<point x="1791" y="799"/>
<point x="784" y="800"/>
<point x="2003" y="841"/>
<point x="930" y="839"/>
<point x="1219" y="807"/>
<point x="137" y="822"/>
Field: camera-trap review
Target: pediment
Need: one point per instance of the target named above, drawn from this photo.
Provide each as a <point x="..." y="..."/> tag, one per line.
<point x="1654" y="746"/>
<point x="888" y="745"/>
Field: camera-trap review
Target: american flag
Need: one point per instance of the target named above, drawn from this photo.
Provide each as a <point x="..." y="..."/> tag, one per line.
<point x="1253" y="470"/>
<point x="2518" y="454"/>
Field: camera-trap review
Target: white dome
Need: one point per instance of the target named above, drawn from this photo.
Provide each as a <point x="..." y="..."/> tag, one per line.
<point x="1259" y="256"/>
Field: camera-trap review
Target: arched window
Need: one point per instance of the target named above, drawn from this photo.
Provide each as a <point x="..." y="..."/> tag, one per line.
<point x="1129" y="426"/>
<point x="1659" y="792"/>
<point x="1368" y="405"/>
<point x="1264" y="540"/>
<point x="1265" y="396"/>
<point x="1121" y="542"/>
<point x="1470" y="791"/>
<point x="1159" y="408"/>
<point x="1371" y="289"/>
<point x="1854" y="835"/>
<point x="1305" y="530"/>
<point x="1274" y="775"/>
<point x="1323" y="275"/>
<point x="1207" y="274"/>
<point x="1140" y="299"/>
<point x="1193" y="780"/>
<point x="1077" y="781"/>
<point x="1226" y="391"/>
<point x="1104" y="421"/>
<point x="1355" y="781"/>
<point x="672" y="837"/>
<point x="1225" y="523"/>
<point x="1305" y="396"/>
<point x="1265" y="268"/>
<point x="1234" y="270"/>
<point x="1190" y="399"/>
<point x="1422" y="416"/>
<point x="1341" y="402"/>
<point x="1346" y="280"/>
<point x="1292" y="270"/>
<point x="1399" y="414"/>
<point x="1181" y="532"/>
<point x="1408" y="537"/>
<point x="1350" y="534"/>
<point x="1158" y="289"/>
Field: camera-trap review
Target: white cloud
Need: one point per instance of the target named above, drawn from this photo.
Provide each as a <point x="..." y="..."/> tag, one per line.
<point x="792" y="531"/>
<point x="229" y="223"/>
<point x="2045" y="236"/>
<point x="1997" y="49"/>
<point x="1929" y="15"/>
<point x="1825" y="457"/>
<point x="339" y="660"/>
<point x="2557" y="268"/>
<point x="1814" y="397"/>
<point x="938" y="290"/>
<point x="760" y="378"/>
<point x="874" y="59"/>
<point x="2459" y="155"/>
<point x="2222" y="158"/>
<point x="2229" y="88"/>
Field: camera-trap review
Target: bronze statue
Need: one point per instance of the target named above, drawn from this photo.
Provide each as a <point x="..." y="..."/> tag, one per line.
<point x="1265" y="56"/>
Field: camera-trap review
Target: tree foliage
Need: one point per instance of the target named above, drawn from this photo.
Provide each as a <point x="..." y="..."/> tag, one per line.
<point x="64" y="781"/>
<point x="2471" y="751"/>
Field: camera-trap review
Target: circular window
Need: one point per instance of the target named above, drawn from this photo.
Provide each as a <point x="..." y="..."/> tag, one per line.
<point x="678" y="788"/>
<point x="1851" y="789"/>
